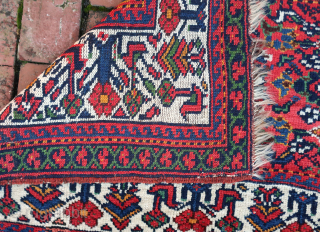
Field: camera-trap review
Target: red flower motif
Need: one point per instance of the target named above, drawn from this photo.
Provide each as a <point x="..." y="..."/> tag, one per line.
<point x="189" y="161"/>
<point x="81" y="157"/>
<point x="6" y="164"/>
<point x="32" y="158"/>
<point x="123" y="158"/>
<point x="166" y="159"/>
<point x="236" y="5"/>
<point x="103" y="99"/>
<point x="58" y="158"/>
<point x="297" y="227"/>
<point x="233" y="33"/>
<point x="236" y="99"/>
<point x="103" y="157"/>
<point x="42" y="218"/>
<point x="236" y="163"/>
<point x="80" y="212"/>
<point x="213" y="159"/>
<point x="238" y="70"/>
<point x="169" y="18"/>
<point x="188" y="220"/>
<point x="143" y="158"/>
<point x="238" y="134"/>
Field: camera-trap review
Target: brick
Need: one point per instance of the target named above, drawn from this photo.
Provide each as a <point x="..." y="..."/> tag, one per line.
<point x="94" y="18"/>
<point x="29" y="72"/>
<point x="9" y="7"/>
<point x="49" y="27"/>
<point x="6" y="85"/>
<point x="106" y="3"/>
<point x="8" y="39"/>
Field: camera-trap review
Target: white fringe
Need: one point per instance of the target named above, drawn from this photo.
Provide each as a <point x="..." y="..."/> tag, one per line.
<point x="262" y="149"/>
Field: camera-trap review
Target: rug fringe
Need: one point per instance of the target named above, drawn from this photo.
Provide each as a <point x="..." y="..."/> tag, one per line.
<point x="262" y="147"/>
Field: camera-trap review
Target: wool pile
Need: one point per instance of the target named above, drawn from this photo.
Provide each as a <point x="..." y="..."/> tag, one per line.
<point x="172" y="115"/>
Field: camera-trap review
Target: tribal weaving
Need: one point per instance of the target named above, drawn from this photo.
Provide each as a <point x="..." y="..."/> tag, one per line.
<point x="133" y="149"/>
<point x="159" y="90"/>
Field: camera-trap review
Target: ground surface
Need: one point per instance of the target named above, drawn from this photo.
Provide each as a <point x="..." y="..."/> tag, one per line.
<point x="33" y="33"/>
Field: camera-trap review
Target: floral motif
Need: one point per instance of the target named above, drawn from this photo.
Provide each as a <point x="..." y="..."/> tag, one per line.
<point x="237" y="98"/>
<point x="133" y="99"/>
<point x="169" y="18"/>
<point x="236" y="162"/>
<point x="235" y="5"/>
<point x="7" y="162"/>
<point x="166" y="158"/>
<point x="144" y="158"/>
<point x="188" y="220"/>
<point x="238" y="70"/>
<point x="297" y="227"/>
<point x="103" y="157"/>
<point x="189" y="160"/>
<point x="58" y="159"/>
<point x="33" y="158"/>
<point x="239" y="133"/>
<point x="155" y="218"/>
<point x="166" y="93"/>
<point x="213" y="159"/>
<point x="7" y="205"/>
<point x="229" y="224"/>
<point x="81" y="157"/>
<point x="233" y="33"/>
<point x="72" y="105"/>
<point x="123" y="158"/>
<point x="103" y="99"/>
<point x="80" y="212"/>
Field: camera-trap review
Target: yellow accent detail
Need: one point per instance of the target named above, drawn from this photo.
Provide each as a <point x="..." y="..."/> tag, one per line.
<point x="169" y="13"/>
<point x="165" y="60"/>
<point x="84" y="213"/>
<point x="104" y="99"/>
<point x="192" y="220"/>
<point x="123" y="218"/>
<point x="50" y="67"/>
<point x="39" y="190"/>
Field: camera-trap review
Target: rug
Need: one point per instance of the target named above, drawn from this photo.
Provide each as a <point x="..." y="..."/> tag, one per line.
<point x="157" y="91"/>
<point x="282" y="190"/>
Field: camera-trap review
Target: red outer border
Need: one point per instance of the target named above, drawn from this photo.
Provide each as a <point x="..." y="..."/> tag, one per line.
<point x="146" y="180"/>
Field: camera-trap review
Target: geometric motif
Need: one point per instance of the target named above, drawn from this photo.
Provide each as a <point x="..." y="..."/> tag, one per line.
<point x="158" y="90"/>
<point x="244" y="206"/>
<point x="287" y="200"/>
<point x="44" y="200"/>
<point x="292" y="30"/>
<point x="266" y="212"/>
<point x="122" y="204"/>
